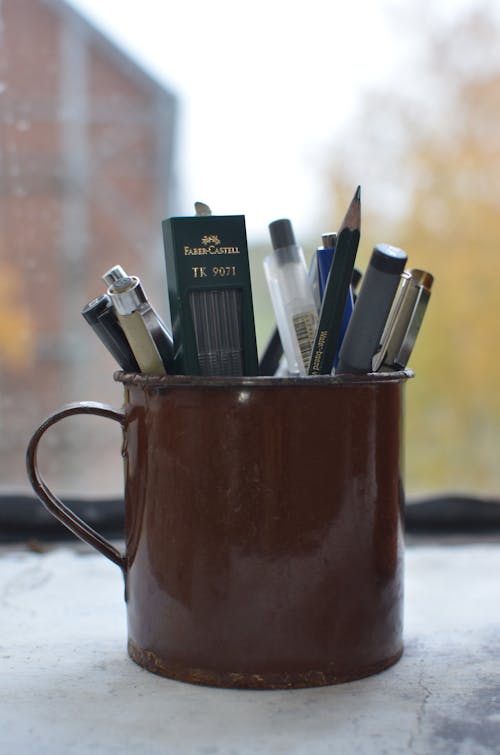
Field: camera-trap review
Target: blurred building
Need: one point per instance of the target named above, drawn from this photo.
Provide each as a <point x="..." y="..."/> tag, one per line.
<point x="86" y="176"/>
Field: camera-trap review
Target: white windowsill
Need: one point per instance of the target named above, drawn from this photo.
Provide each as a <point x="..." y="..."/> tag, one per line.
<point x="69" y="687"/>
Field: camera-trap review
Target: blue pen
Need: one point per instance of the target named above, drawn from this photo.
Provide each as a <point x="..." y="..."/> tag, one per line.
<point x="324" y="256"/>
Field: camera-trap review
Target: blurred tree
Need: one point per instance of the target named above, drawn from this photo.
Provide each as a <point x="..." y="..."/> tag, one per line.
<point x="16" y="327"/>
<point x="428" y="155"/>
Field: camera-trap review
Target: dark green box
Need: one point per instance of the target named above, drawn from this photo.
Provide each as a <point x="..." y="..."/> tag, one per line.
<point x="207" y="253"/>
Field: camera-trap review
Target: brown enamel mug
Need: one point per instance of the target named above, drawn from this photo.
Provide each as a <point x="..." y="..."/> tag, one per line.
<point x="263" y="525"/>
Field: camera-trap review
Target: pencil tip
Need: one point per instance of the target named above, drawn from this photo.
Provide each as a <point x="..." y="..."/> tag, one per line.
<point x="352" y="217"/>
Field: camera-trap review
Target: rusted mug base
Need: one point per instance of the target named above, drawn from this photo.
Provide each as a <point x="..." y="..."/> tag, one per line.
<point x="266" y="680"/>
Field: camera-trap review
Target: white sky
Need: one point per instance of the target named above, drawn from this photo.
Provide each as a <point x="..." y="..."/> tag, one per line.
<point x="264" y="86"/>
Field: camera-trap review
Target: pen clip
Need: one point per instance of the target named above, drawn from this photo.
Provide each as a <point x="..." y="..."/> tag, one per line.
<point x="392" y="319"/>
<point x="408" y="342"/>
<point x="404" y="321"/>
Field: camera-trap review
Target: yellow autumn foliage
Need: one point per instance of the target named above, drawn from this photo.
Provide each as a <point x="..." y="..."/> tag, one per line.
<point x="16" y="326"/>
<point x="448" y="165"/>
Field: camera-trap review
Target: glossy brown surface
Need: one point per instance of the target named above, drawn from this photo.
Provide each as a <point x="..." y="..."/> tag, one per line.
<point x="264" y="533"/>
<point x="263" y="526"/>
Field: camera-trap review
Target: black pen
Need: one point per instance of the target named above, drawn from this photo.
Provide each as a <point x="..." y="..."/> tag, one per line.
<point x="271" y="356"/>
<point x="101" y="316"/>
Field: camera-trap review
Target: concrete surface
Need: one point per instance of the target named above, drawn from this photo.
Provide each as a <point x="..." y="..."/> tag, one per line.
<point x="67" y="685"/>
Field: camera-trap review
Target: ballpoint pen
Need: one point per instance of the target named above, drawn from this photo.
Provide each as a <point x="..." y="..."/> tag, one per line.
<point x="404" y="320"/>
<point x="371" y="310"/>
<point x="324" y="258"/>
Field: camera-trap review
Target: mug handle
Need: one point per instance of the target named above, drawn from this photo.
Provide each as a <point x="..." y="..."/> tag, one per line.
<point x="51" y="502"/>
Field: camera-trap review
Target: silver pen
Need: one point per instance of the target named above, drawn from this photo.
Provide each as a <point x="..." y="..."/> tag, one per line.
<point x="148" y="337"/>
<point x="114" y="274"/>
<point x="404" y="320"/>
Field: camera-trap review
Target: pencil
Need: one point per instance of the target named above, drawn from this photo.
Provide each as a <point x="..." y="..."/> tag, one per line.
<point x="336" y="290"/>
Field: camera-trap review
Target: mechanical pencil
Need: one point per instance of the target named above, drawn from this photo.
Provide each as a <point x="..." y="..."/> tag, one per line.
<point x="271" y="361"/>
<point x="291" y="296"/>
<point x="148" y="337"/>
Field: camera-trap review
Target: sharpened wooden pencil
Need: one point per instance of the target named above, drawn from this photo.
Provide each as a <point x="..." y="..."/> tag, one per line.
<point x="336" y="290"/>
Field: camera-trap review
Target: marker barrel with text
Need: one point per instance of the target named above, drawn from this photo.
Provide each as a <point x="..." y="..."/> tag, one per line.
<point x="263" y="525"/>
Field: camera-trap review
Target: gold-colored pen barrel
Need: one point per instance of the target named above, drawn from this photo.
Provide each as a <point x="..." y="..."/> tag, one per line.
<point x="133" y="312"/>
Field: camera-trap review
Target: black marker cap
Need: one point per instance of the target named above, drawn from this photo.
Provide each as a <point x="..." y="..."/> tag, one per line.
<point x="283" y="240"/>
<point x="282" y="233"/>
<point x="96" y="307"/>
<point x="388" y="259"/>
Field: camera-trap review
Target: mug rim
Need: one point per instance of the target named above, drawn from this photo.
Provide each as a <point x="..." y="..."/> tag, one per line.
<point x="248" y="381"/>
